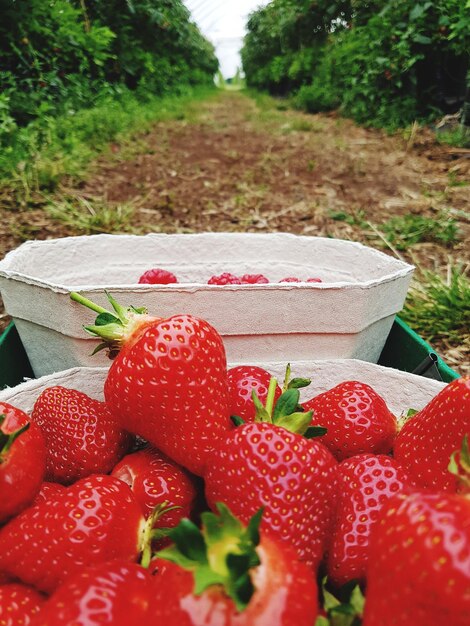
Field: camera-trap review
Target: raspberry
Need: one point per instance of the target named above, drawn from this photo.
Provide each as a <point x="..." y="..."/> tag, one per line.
<point x="314" y="280"/>
<point x="290" y="279"/>
<point x="224" y="279"/>
<point x="157" y="276"/>
<point x="254" y="279"/>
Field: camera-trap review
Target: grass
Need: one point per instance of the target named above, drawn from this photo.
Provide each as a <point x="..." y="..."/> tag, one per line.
<point x="458" y="137"/>
<point x="41" y="154"/>
<point x="91" y="219"/>
<point x="405" y="231"/>
<point x="438" y="307"/>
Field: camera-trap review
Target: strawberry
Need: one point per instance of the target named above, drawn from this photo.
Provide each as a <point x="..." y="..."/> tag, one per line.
<point x="254" y="279"/>
<point x="82" y="435"/>
<point x="19" y="604"/>
<point x="224" y="279"/>
<point x="243" y="380"/>
<point x="22" y="460"/>
<point x="229" y="575"/>
<point x="270" y="464"/>
<point x="115" y="592"/>
<point x="427" y="440"/>
<point x="156" y="480"/>
<point x="356" y="418"/>
<point x="48" y="490"/>
<point x="364" y="482"/>
<point x="168" y="383"/>
<point x="419" y="562"/>
<point x="95" y="520"/>
<point x="157" y="276"/>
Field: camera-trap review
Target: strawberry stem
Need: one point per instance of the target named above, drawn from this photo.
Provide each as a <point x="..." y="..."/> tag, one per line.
<point x="151" y="534"/>
<point x="88" y="303"/>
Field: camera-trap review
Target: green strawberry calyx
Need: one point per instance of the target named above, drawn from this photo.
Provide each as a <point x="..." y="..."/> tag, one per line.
<point x="459" y="465"/>
<point x="287" y="411"/>
<point x="114" y="328"/>
<point x="345" y="610"/>
<point x="223" y="552"/>
<point x="8" y="439"/>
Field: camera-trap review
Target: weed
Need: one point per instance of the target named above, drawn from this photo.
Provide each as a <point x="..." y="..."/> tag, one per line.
<point x="89" y="219"/>
<point x="438" y="307"/>
<point x="454" y="180"/>
<point x="458" y="137"/>
<point x="405" y="231"/>
<point x="355" y="218"/>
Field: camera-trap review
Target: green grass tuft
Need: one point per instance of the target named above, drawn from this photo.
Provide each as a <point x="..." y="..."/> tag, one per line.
<point x="408" y="230"/>
<point x="438" y="307"/>
<point x="89" y="219"/>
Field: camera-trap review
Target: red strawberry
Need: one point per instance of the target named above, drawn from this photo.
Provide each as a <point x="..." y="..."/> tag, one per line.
<point x="19" y="604"/>
<point x="168" y="383"/>
<point x="242" y="381"/>
<point x="365" y="483"/>
<point x="356" y="418"/>
<point x="224" y="279"/>
<point x="48" y="490"/>
<point x="115" y="592"/>
<point x="82" y="434"/>
<point x="427" y="440"/>
<point x="227" y="575"/>
<point x="254" y="279"/>
<point x="22" y="460"/>
<point x="419" y="562"/>
<point x="157" y="276"/>
<point x="95" y="520"/>
<point x="264" y="465"/>
<point x="155" y="479"/>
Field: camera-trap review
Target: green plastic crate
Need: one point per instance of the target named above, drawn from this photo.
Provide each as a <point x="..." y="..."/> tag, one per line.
<point x="404" y="350"/>
<point x="14" y="364"/>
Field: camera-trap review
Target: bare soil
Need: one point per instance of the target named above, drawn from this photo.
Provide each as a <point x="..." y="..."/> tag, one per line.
<point x="232" y="164"/>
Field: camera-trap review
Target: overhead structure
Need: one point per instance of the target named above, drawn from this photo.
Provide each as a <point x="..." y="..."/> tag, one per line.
<point x="223" y="23"/>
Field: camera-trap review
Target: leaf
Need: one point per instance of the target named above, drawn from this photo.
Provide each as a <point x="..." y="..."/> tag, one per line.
<point x="422" y="39"/>
<point x="103" y="319"/>
<point x="286" y="404"/>
<point x="315" y="431"/>
<point x="298" y="383"/>
<point x="261" y="415"/>
<point x="189" y="540"/>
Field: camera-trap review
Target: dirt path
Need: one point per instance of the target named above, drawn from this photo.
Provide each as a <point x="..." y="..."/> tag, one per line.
<point x="233" y="164"/>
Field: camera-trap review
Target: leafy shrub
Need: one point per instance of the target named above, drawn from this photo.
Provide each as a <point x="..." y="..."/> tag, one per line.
<point x="383" y="62"/>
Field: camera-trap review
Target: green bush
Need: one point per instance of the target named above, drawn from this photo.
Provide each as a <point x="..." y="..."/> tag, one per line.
<point x="382" y="62"/>
<point x="68" y="54"/>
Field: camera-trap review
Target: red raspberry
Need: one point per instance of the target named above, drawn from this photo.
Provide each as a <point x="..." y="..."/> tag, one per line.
<point x="224" y="279"/>
<point x="157" y="276"/>
<point x="254" y="279"/>
<point x="314" y="280"/>
<point x="290" y="279"/>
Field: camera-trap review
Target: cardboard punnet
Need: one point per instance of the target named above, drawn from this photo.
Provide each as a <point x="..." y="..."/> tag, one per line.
<point x="348" y="315"/>
<point x="400" y="390"/>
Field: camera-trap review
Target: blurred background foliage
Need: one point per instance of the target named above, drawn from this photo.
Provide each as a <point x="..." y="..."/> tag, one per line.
<point x="59" y="57"/>
<point x="382" y="62"/>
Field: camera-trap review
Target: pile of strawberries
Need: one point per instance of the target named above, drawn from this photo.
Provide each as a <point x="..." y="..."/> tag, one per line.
<point x="159" y="276"/>
<point x="196" y="495"/>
